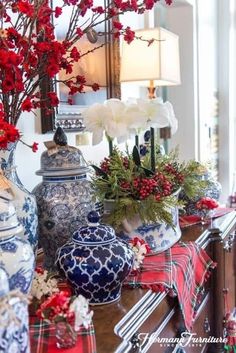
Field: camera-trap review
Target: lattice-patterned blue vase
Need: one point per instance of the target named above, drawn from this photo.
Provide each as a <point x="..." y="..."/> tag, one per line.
<point x="23" y="200"/>
<point x="64" y="197"/>
<point x="95" y="262"/>
<point x="16" y="254"/>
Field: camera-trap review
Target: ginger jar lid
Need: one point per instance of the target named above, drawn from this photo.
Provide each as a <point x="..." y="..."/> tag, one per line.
<point x="60" y="158"/>
<point x="9" y="224"/>
<point x="94" y="233"/>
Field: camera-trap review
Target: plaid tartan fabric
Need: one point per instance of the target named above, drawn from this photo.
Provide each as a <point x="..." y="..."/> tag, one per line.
<point x="180" y="270"/>
<point x="43" y="340"/>
<point x="185" y="221"/>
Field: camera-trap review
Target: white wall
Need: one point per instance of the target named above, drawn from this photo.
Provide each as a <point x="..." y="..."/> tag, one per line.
<point x="28" y="162"/>
<point x="180" y="20"/>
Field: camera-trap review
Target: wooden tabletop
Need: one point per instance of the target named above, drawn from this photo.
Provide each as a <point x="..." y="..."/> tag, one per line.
<point x="107" y="316"/>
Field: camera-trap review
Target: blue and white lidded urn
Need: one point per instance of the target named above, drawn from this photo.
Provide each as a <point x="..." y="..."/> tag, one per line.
<point x="16" y="254"/>
<point x="95" y="262"/>
<point x="64" y="197"/>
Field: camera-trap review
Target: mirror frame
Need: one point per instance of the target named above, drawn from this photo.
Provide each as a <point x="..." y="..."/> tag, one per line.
<point x="73" y="121"/>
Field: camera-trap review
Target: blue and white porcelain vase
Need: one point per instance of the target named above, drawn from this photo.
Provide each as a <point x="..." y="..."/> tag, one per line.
<point x="14" y="323"/>
<point x="212" y="190"/>
<point x="160" y="236"/>
<point x="23" y="200"/>
<point x="95" y="262"/>
<point x="64" y="197"/>
<point x="16" y="254"/>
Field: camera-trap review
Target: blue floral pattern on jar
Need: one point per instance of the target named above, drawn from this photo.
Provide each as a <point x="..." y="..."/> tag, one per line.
<point x="14" y="325"/>
<point x="63" y="205"/>
<point x="24" y="201"/>
<point x="159" y="236"/>
<point x="20" y="267"/>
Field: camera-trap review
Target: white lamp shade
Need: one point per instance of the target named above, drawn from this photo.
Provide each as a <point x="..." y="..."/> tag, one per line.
<point x="159" y="61"/>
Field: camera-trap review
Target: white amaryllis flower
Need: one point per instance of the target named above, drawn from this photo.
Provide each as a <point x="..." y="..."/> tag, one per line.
<point x="155" y="112"/>
<point x="116" y="125"/>
<point x="43" y="285"/>
<point x="136" y="120"/>
<point x="95" y="120"/>
<point x="83" y="315"/>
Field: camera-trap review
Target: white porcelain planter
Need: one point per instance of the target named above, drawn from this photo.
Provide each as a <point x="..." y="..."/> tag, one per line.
<point x="159" y="236"/>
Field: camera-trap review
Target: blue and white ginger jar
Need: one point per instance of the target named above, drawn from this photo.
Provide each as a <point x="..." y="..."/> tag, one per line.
<point x="95" y="262"/>
<point x="24" y="201"/>
<point x="64" y="197"/>
<point x="14" y="323"/>
<point x="16" y="254"/>
<point x="212" y="190"/>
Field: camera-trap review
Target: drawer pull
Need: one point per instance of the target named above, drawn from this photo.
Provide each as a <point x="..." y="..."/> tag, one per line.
<point x="228" y="244"/>
<point x="136" y="342"/>
<point x="206" y="325"/>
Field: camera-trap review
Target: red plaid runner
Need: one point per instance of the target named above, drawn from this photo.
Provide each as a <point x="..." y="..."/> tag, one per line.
<point x="42" y="339"/>
<point x="181" y="270"/>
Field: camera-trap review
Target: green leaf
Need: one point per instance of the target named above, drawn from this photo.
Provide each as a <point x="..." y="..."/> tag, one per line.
<point x="148" y="172"/>
<point x="99" y="171"/>
<point x="136" y="156"/>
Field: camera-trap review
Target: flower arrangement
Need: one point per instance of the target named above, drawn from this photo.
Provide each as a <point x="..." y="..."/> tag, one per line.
<point x="30" y="52"/>
<point x="117" y="119"/>
<point x="136" y="189"/>
<point x="206" y="206"/>
<point x="62" y="310"/>
<point x="207" y="203"/>
<point x="44" y="284"/>
<point x="140" y="250"/>
<point x="62" y="307"/>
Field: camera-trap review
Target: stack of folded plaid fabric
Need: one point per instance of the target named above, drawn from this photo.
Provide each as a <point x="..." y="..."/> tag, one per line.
<point x="180" y="270"/>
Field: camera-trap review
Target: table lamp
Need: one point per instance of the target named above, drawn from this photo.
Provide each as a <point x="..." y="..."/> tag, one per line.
<point x="152" y="65"/>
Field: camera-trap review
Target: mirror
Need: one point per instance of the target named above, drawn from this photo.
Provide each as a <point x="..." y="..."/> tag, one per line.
<point x="100" y="66"/>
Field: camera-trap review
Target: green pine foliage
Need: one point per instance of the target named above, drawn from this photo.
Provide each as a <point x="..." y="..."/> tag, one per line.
<point x="136" y="190"/>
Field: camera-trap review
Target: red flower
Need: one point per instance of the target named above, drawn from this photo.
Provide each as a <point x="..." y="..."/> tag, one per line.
<point x="58" y="11"/>
<point x="39" y="270"/>
<point x="117" y="25"/>
<point x="56" y="304"/>
<point x="98" y="9"/>
<point x="52" y="70"/>
<point x="27" y="105"/>
<point x="25" y="7"/>
<point x="129" y="35"/>
<point x="8" y="133"/>
<point x="95" y="87"/>
<point x="75" y="54"/>
<point x="149" y="4"/>
<point x="53" y="99"/>
<point x="136" y="241"/>
<point x="35" y="147"/>
<point x="207" y="203"/>
<point x="79" y="32"/>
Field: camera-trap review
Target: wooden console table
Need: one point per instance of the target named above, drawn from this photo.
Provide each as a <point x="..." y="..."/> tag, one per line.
<point x="118" y="325"/>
